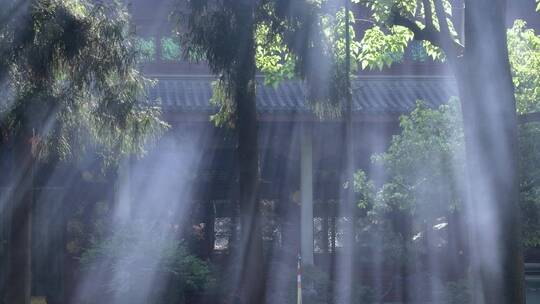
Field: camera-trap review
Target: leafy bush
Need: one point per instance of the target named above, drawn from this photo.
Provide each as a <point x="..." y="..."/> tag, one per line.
<point x="530" y="183"/>
<point x="315" y="284"/>
<point x="170" y="49"/>
<point x="147" y="49"/>
<point x="315" y="287"/>
<point x="457" y="292"/>
<point x="524" y="55"/>
<point x="425" y="169"/>
<point x="146" y="265"/>
<point x="359" y="294"/>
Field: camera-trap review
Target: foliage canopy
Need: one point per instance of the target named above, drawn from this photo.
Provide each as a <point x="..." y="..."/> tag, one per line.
<point x="424" y="166"/>
<point x="69" y="70"/>
<point x="524" y="54"/>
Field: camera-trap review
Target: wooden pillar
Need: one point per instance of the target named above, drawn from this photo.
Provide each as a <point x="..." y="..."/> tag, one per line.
<point x="306" y="193"/>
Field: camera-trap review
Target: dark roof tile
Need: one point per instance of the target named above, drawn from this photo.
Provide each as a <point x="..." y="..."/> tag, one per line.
<point x="377" y="94"/>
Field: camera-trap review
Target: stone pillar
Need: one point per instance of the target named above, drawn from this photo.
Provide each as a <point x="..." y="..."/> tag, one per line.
<point x="306" y="194"/>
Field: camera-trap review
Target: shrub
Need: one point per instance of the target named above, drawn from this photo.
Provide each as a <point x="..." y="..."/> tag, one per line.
<point x="457" y="292"/>
<point x="315" y="286"/>
<point x="146" y="265"/>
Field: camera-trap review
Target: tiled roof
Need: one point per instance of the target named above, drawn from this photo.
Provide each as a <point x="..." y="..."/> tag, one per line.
<point x="376" y="94"/>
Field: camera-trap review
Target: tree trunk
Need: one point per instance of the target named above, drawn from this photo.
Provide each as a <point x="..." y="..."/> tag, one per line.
<point x="251" y="283"/>
<point x="402" y="226"/>
<point x="456" y="267"/>
<point x="490" y="125"/>
<point x="404" y="272"/>
<point x="347" y="204"/>
<point x="5" y="213"/>
<point x="19" y="273"/>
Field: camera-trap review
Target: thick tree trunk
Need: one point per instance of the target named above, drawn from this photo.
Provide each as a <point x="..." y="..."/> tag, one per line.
<point x="5" y="213"/>
<point x="347" y="204"/>
<point x="402" y="226"/>
<point x="19" y="273"/>
<point x="490" y="125"/>
<point x="252" y="274"/>
<point x="252" y="287"/>
<point x="404" y="273"/>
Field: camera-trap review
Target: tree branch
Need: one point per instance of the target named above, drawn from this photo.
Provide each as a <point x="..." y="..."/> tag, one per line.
<point x="430" y="34"/>
<point x="366" y="20"/>
<point x="446" y="37"/>
<point x="428" y="17"/>
<point x="418" y="9"/>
